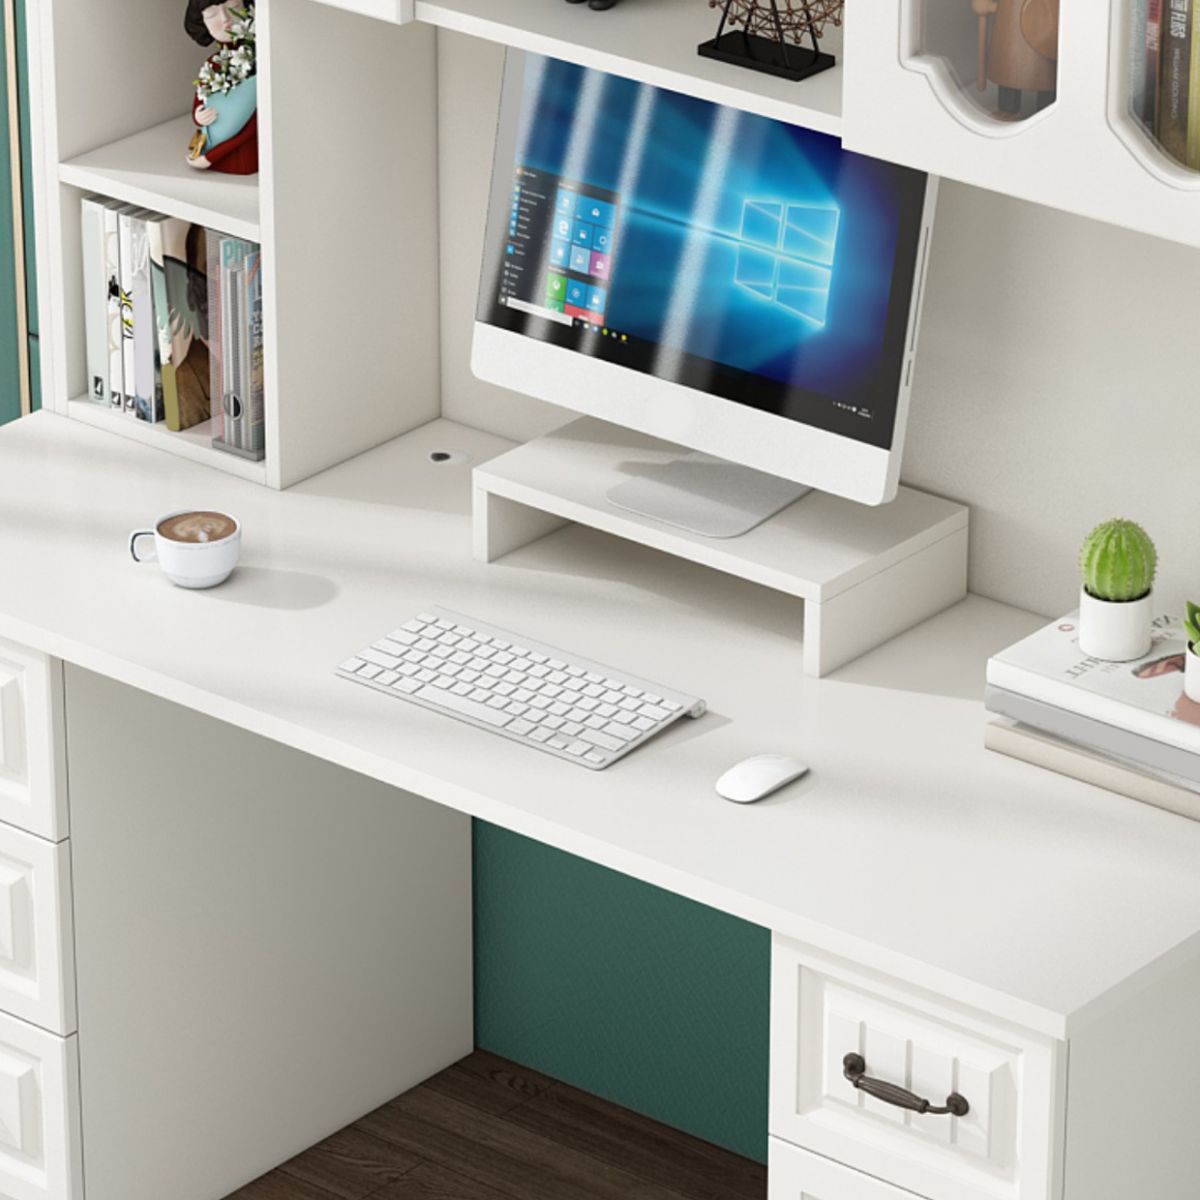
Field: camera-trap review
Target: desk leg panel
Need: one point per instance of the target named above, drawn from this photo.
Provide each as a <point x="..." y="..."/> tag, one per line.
<point x="267" y="946"/>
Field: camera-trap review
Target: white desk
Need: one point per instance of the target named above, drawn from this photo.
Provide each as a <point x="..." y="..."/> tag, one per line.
<point x="909" y="853"/>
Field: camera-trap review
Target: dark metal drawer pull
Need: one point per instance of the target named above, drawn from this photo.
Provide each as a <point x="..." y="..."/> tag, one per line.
<point x="854" y="1067"/>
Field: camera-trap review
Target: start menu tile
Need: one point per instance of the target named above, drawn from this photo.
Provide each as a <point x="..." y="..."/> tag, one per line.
<point x="559" y="254"/>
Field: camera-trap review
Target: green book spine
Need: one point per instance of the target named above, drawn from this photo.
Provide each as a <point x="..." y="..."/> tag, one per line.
<point x="1174" y="78"/>
<point x="1193" y="116"/>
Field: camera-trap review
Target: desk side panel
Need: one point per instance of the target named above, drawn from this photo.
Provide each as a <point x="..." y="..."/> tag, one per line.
<point x="268" y="946"/>
<point x="1132" y="1104"/>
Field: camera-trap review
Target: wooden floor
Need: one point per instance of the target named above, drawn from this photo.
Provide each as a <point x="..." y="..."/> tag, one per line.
<point x="486" y="1129"/>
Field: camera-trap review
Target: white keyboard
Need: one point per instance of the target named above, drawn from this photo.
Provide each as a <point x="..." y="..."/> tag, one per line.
<point x="531" y="693"/>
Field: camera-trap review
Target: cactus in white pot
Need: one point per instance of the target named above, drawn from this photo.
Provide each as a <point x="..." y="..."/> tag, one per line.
<point x="1118" y="562"/>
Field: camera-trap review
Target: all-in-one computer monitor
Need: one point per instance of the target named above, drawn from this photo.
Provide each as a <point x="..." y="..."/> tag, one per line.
<point x="739" y="286"/>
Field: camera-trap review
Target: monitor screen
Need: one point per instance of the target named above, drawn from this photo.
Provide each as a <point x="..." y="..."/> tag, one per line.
<point x="717" y="249"/>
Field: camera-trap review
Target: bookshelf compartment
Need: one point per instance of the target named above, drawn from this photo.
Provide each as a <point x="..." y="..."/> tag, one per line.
<point x="149" y="169"/>
<point x="992" y="63"/>
<point x="1154" y="104"/>
<point x="651" y="41"/>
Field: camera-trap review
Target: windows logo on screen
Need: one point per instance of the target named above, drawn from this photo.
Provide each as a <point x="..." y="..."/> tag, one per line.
<point x="786" y="255"/>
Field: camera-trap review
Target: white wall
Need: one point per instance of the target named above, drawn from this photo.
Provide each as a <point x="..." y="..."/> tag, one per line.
<point x="1058" y="378"/>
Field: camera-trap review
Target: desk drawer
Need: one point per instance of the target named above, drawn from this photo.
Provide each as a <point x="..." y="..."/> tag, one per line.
<point x="1006" y="1145"/>
<point x="37" y="980"/>
<point x="794" y="1174"/>
<point x="32" y="747"/>
<point x="39" y="1114"/>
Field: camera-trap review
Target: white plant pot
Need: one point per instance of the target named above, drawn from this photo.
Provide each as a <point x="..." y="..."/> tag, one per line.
<point x="1191" y="675"/>
<point x="1113" y="630"/>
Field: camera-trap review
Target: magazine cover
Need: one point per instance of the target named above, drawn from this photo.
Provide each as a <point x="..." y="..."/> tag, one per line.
<point x="115" y="326"/>
<point x="129" y="356"/>
<point x="1144" y="697"/>
<point x="185" y="270"/>
<point x="148" y="396"/>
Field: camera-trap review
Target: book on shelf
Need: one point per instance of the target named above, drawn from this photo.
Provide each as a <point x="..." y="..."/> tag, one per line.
<point x="128" y="352"/>
<point x="95" y="299"/>
<point x="179" y="263"/>
<point x="235" y="308"/>
<point x="114" y="305"/>
<point x="1175" y="120"/>
<point x="148" y="395"/>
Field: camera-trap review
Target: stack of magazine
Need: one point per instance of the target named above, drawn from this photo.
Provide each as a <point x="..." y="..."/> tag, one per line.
<point x="1128" y="727"/>
<point x="173" y="313"/>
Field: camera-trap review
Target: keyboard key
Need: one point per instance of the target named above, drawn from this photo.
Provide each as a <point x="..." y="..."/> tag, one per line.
<point x="387" y="661"/>
<point x="460" y="658"/>
<point x="588" y="704"/>
<point x="624" y="732"/>
<point x="539" y="672"/>
<point x="495" y="671"/>
<point x="594" y="756"/>
<point x="571" y="728"/>
<point x="625" y="717"/>
<point x="517" y="708"/>
<point x="553" y="692"/>
<point x="442" y="623"/>
<point x="577" y="672"/>
<point x="441" y="652"/>
<point x="596" y="738"/>
<point x="425" y="644"/>
<point x="479" y="695"/>
<point x="514" y="677"/>
<point x="521" y="664"/>
<point x="540" y="702"/>
<point x="504" y="658"/>
<point x="559" y="709"/>
<point x="498" y="702"/>
<point x="461" y="704"/>
<point x="592" y="677"/>
<point x="469" y="645"/>
<point x="631" y="691"/>
<point x="558" y="743"/>
<point x="504" y="689"/>
<point x="536" y="657"/>
<point x="653" y="713"/>
<point x="521" y="727"/>
<point x="571" y="698"/>
<point x="462" y="689"/>
<point x="369" y="671"/>
<point x="407" y="686"/>
<point x="523" y="694"/>
<point x="501" y="645"/>
<point x="468" y="676"/>
<point x="556" y="664"/>
<point x="643" y="724"/>
<point x="387" y="677"/>
<point x="450" y="639"/>
<point x="415" y="625"/>
<point x="450" y="668"/>
<point x="408" y="668"/>
<point x="352" y="664"/>
<point x="553" y="722"/>
<point x="426" y="618"/>
<point x="557" y="675"/>
<point x="650" y="698"/>
<point x="540" y="734"/>
<point x="578" y="748"/>
<point x="390" y="647"/>
<point x="595" y="722"/>
<point x="606" y="710"/>
<point x="426" y="676"/>
<point x="629" y="704"/>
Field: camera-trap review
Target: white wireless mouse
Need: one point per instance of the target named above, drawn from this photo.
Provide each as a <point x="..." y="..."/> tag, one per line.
<point x="758" y="777"/>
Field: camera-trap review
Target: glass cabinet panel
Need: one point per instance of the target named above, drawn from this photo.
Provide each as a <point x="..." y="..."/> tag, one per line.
<point x="1162" y="85"/>
<point x="997" y="59"/>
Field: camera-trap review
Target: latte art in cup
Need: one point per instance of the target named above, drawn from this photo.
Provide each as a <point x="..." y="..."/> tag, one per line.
<point x="197" y="527"/>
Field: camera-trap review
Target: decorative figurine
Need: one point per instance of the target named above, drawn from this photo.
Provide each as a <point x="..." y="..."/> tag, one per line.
<point x="225" y="107"/>
<point x="772" y="35"/>
<point x="1020" y="54"/>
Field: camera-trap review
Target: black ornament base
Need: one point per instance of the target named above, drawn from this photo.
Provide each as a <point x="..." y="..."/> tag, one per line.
<point x="763" y="54"/>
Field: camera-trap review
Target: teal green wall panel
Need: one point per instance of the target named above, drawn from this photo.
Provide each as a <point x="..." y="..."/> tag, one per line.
<point x="624" y="990"/>
<point x="27" y="178"/>
<point x="10" y="381"/>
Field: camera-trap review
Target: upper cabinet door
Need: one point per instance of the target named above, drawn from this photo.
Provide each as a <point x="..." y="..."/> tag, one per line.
<point x="1045" y="100"/>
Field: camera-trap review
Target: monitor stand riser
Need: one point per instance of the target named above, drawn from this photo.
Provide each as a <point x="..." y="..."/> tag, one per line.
<point x="705" y="495"/>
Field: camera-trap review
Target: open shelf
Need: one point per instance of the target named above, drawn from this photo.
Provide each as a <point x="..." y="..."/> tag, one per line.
<point x="194" y="444"/>
<point x="149" y="169"/>
<point x="653" y="41"/>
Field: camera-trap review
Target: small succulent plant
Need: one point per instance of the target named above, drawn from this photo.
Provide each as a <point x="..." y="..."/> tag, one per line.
<point x="1118" y="561"/>
<point x="1191" y="626"/>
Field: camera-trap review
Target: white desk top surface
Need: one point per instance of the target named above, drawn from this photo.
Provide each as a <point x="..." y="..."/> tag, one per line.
<point x="909" y="849"/>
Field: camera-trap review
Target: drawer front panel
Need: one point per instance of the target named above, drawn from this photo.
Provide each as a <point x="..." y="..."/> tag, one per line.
<point x="39" y="1114"/>
<point x="1005" y="1147"/>
<point x="36" y="954"/>
<point x="794" y="1174"/>
<point x="32" y="757"/>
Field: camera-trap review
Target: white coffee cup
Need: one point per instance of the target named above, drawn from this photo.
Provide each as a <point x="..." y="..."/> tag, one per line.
<point x="199" y="559"/>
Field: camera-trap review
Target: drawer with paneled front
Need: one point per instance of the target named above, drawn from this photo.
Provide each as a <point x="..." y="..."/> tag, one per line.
<point x="899" y="1085"/>
<point x="32" y="744"/>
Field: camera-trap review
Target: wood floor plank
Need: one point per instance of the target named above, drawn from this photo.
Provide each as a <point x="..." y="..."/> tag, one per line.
<point x="487" y="1081"/>
<point x="351" y="1164"/>
<point x="653" y="1151"/>
<point x="277" y="1186"/>
<point x="428" y="1182"/>
<point x="500" y="1154"/>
